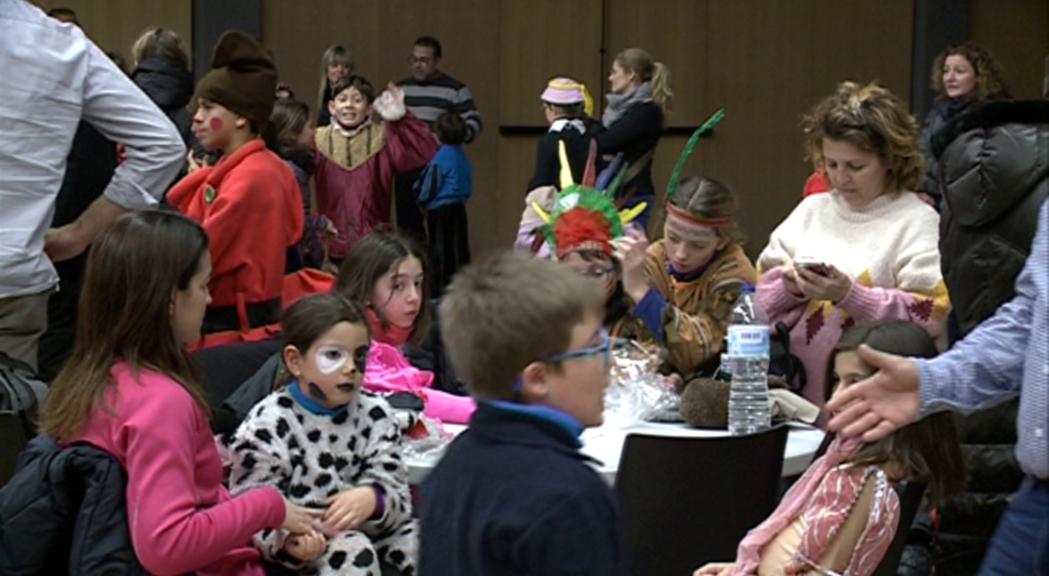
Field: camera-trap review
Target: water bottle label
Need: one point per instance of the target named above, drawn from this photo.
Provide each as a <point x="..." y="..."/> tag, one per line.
<point x="748" y="340"/>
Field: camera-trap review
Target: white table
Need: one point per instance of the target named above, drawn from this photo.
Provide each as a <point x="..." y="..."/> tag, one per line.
<point x="605" y="444"/>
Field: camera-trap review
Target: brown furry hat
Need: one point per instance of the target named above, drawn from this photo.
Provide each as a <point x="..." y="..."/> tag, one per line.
<point x="242" y="78"/>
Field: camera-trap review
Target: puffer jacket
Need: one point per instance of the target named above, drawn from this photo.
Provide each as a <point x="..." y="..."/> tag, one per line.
<point x="64" y="512"/>
<point x="994" y="166"/>
<point x="170" y="87"/>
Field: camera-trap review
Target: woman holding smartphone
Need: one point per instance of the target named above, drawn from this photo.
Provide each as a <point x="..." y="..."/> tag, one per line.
<point x="865" y="251"/>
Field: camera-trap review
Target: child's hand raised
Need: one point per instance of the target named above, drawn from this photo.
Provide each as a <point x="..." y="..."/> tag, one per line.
<point x="306" y="547"/>
<point x="631" y="251"/>
<point x="348" y="510"/>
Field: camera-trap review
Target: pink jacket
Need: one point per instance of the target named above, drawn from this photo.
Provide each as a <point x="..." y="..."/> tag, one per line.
<point x="181" y="517"/>
<point x="389" y="371"/>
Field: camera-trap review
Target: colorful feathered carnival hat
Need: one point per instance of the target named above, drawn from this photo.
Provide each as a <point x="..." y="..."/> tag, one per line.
<point x="584" y="215"/>
<point x="674" y="211"/>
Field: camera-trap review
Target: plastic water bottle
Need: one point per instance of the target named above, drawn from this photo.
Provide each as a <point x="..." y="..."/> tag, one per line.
<point x="748" y="359"/>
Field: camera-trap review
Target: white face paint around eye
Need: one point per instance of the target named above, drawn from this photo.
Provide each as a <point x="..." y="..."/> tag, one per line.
<point x="331" y="358"/>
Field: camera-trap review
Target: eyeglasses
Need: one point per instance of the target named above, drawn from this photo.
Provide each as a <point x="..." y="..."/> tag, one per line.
<point x="604" y="348"/>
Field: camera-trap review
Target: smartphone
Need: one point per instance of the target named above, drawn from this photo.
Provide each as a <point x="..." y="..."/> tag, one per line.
<point x="814" y="266"/>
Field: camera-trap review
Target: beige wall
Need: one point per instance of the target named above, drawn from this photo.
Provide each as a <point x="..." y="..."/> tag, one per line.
<point x="116" y="24"/>
<point x="1017" y="33"/>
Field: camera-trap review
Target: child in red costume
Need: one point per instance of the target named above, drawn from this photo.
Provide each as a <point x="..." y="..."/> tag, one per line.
<point x="357" y="158"/>
<point x="248" y="203"/>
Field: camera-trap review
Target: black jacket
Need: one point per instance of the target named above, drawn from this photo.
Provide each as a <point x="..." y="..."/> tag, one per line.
<point x="64" y="512"/>
<point x="577" y="148"/>
<point x="513" y="495"/>
<point x="636" y="132"/>
<point x="994" y="166"/>
<point x="170" y="87"/>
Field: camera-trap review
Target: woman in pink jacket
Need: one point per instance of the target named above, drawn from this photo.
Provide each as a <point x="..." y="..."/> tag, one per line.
<point x="128" y="389"/>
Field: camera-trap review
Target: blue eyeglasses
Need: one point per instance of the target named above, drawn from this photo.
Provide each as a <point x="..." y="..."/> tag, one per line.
<point x="603" y="348"/>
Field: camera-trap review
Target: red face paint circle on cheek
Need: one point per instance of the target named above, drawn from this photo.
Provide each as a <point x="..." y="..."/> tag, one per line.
<point x="215" y="124"/>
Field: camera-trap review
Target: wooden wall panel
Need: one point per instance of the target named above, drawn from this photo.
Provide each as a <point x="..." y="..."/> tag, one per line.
<point x="539" y="39"/>
<point x="1017" y="33"/>
<point x="116" y="24"/>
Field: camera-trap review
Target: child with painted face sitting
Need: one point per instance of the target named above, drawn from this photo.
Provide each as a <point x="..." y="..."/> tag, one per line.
<point x="326" y="444"/>
<point x="683" y="287"/>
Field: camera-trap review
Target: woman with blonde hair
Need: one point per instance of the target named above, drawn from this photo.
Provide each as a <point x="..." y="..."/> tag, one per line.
<point x="638" y="102"/>
<point x="866" y="250"/>
<point x="336" y="64"/>
<point x="161" y="70"/>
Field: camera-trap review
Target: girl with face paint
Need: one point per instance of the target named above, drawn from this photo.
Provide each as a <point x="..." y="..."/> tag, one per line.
<point x="326" y="443"/>
<point x="683" y="286"/>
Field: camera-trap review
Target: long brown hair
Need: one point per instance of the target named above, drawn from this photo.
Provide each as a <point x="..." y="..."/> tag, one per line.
<point x="370" y="258"/>
<point x="927" y="450"/>
<point x="132" y="272"/>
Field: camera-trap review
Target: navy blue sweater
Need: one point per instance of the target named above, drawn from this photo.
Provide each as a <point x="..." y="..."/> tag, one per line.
<point x="513" y="495"/>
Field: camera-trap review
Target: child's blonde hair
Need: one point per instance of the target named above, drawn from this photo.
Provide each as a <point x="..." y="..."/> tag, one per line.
<point x="872" y="119"/>
<point x="648" y="70"/>
<point x="927" y="450"/>
<point x="507" y="311"/>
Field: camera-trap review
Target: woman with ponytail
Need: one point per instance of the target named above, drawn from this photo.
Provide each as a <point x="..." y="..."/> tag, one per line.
<point x="638" y="102"/>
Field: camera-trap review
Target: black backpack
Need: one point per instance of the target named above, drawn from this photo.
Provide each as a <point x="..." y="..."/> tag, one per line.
<point x="22" y="393"/>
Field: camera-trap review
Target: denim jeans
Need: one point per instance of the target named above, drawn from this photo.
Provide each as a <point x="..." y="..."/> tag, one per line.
<point x="1021" y="543"/>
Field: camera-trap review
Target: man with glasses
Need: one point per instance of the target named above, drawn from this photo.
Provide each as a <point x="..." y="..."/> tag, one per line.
<point x="428" y="93"/>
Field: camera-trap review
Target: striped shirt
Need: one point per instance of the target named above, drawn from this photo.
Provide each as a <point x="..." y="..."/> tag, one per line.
<point x="1006" y="355"/>
<point x="428" y="100"/>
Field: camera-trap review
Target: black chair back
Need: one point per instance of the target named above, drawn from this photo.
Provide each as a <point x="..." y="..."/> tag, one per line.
<point x="911" y="494"/>
<point x="689" y="501"/>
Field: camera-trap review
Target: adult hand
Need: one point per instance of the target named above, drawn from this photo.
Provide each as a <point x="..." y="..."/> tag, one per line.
<point x="298" y="519"/>
<point x="880" y="404"/>
<point x="715" y="569"/>
<point x="834" y="286"/>
<point x="306" y="547"/>
<point x="351" y="508"/>
<point x="631" y="251"/>
<point x="789" y="276"/>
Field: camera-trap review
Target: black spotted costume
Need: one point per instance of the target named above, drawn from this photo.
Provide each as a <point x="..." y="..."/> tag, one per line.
<point x="310" y="457"/>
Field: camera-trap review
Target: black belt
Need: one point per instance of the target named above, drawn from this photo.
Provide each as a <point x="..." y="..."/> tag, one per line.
<point x="225" y="318"/>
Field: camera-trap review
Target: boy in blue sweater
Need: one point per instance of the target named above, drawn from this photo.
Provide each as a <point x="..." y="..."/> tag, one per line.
<point x="513" y="495"/>
<point x="444" y="188"/>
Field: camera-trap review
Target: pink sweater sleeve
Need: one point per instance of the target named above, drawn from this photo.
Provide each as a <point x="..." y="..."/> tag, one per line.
<point x="779" y="304"/>
<point x="170" y="530"/>
<point x="928" y="310"/>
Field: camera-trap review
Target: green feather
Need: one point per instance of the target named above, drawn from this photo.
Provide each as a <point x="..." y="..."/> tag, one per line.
<point x="706" y="127"/>
<point x="613" y="188"/>
<point x="587" y="199"/>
